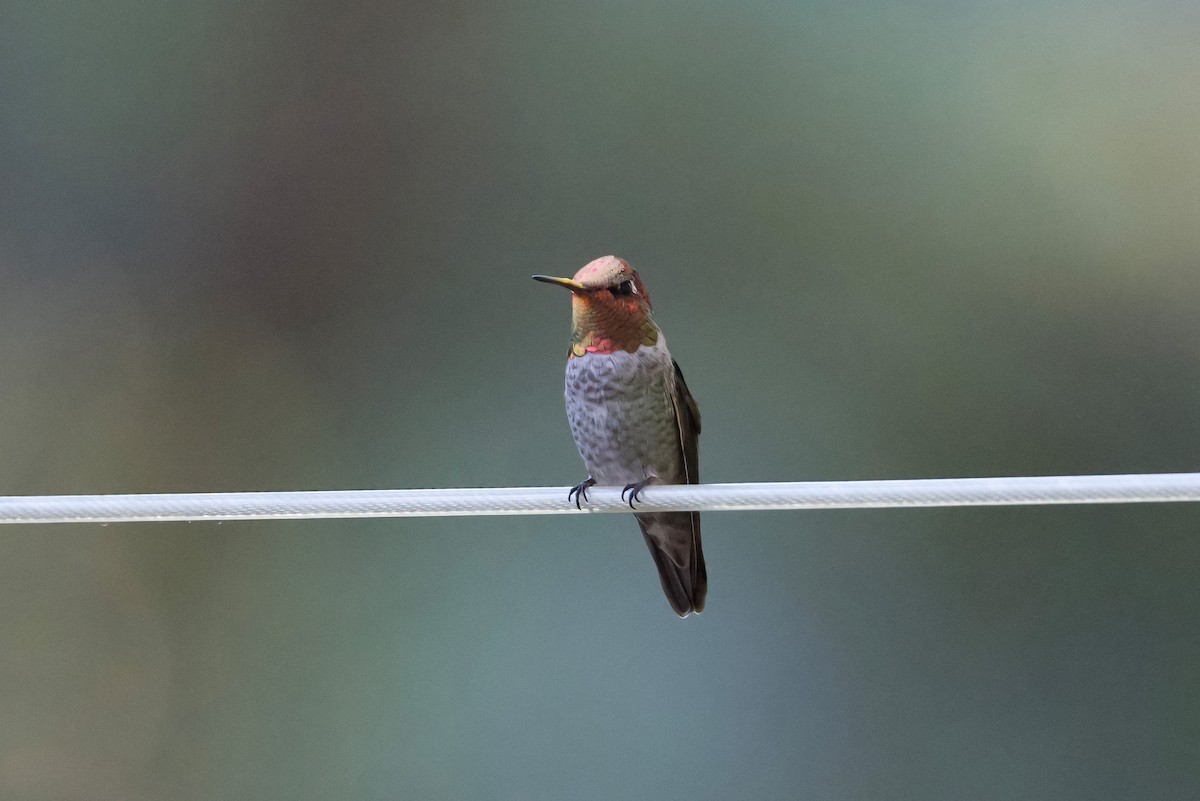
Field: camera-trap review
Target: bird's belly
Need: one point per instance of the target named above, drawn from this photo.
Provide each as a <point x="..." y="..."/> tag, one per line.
<point x="621" y="415"/>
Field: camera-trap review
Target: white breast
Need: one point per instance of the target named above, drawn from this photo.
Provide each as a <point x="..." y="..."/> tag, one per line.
<point x="621" y="415"/>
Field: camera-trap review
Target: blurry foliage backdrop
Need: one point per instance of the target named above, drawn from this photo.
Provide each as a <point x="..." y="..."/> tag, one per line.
<point x="286" y="245"/>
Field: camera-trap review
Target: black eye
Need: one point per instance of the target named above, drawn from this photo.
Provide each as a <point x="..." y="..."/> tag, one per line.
<point x="623" y="289"/>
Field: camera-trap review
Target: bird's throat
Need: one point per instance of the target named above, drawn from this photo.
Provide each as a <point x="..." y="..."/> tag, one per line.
<point x="600" y="329"/>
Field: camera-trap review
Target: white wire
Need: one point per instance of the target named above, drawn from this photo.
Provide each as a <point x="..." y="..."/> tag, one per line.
<point x="1030" y="490"/>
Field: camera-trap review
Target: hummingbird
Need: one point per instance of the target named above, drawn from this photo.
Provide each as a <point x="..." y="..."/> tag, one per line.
<point x="632" y="417"/>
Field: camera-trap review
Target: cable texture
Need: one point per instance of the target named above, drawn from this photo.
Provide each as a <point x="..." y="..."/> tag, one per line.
<point x="1027" y="490"/>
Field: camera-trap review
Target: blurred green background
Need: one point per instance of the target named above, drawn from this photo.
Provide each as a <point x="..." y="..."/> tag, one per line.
<point x="286" y="245"/>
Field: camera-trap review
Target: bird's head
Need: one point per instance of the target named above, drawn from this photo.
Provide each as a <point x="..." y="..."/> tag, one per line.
<point x="610" y="308"/>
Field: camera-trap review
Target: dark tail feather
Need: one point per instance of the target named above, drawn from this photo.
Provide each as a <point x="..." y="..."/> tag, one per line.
<point x="674" y="542"/>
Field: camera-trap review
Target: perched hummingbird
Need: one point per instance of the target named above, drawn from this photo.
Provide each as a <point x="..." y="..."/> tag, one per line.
<point x="631" y="414"/>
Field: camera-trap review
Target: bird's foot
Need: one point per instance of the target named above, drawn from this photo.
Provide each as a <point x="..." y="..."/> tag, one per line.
<point x="579" y="492"/>
<point x="635" y="489"/>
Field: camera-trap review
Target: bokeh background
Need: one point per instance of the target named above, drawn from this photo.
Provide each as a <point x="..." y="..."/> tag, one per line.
<point x="286" y="245"/>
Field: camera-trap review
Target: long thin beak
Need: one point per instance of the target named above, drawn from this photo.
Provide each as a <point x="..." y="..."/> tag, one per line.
<point x="569" y="283"/>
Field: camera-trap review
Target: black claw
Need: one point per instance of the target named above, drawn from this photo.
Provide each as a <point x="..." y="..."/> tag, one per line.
<point x="579" y="492"/>
<point x="635" y="491"/>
